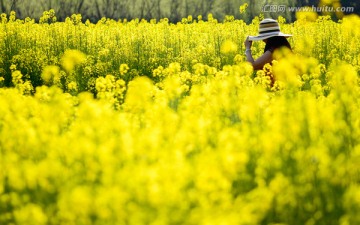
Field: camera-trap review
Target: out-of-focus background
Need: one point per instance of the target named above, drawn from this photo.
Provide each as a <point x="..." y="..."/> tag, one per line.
<point x="174" y="10"/>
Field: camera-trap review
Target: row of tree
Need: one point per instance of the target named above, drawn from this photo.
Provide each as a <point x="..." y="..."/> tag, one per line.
<point x="175" y="10"/>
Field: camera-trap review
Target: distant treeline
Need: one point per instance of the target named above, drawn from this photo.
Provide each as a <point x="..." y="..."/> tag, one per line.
<point x="174" y="10"/>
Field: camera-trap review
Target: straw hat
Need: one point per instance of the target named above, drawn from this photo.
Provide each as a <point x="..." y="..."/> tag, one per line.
<point x="268" y="28"/>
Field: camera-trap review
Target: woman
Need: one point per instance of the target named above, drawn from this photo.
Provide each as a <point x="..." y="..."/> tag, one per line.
<point x="269" y="32"/>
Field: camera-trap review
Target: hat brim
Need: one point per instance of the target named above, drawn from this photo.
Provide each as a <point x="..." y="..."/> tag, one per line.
<point x="268" y="35"/>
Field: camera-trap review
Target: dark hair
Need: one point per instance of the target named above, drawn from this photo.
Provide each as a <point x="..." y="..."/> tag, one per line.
<point x="276" y="42"/>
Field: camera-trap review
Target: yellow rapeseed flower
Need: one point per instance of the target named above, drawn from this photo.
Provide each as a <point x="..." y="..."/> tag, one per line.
<point x="228" y="46"/>
<point x="50" y="73"/>
<point x="71" y="58"/>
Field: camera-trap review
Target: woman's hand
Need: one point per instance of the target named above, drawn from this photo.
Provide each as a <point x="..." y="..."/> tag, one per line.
<point x="247" y="43"/>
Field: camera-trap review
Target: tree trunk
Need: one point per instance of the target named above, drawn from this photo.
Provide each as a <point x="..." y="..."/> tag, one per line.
<point x="2" y="6"/>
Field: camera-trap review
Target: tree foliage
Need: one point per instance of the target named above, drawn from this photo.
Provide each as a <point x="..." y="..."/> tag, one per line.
<point x="175" y="10"/>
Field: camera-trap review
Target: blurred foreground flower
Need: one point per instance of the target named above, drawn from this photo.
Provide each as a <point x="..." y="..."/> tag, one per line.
<point x="228" y="46"/>
<point x="71" y="58"/>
